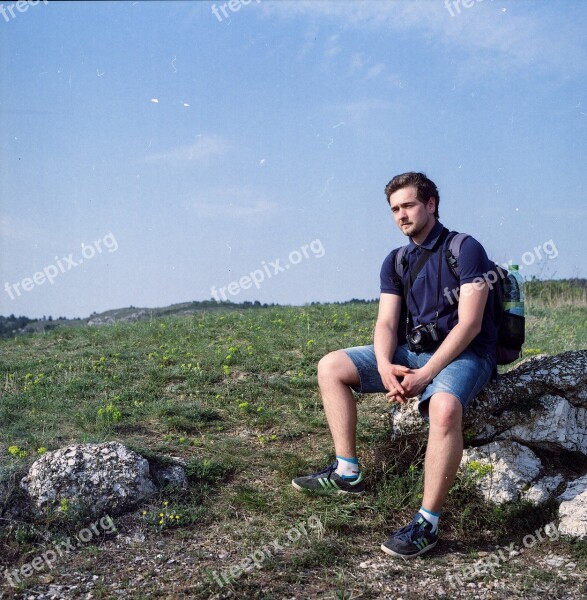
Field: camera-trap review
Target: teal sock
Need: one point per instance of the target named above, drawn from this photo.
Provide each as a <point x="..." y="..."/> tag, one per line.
<point x="431" y="517"/>
<point x="348" y="468"/>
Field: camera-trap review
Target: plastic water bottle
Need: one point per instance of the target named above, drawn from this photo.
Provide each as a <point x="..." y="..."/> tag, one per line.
<point x="514" y="292"/>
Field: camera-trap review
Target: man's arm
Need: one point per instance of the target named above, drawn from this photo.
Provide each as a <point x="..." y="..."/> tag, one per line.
<point x="385" y="342"/>
<point x="472" y="300"/>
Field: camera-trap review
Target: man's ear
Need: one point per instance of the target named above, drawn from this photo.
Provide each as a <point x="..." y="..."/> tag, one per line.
<point x="431" y="204"/>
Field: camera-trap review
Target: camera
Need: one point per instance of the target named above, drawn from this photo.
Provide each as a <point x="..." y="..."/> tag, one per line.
<point x="423" y="337"/>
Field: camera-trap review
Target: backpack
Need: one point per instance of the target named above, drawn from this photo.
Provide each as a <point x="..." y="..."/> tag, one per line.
<point x="510" y="327"/>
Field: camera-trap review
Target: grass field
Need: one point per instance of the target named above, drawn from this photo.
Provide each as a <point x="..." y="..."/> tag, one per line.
<point x="234" y="393"/>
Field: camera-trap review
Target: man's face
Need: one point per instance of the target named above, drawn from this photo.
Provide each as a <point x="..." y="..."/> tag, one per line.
<point x="410" y="215"/>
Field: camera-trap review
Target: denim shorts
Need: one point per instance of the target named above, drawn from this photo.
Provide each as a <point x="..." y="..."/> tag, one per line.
<point x="464" y="377"/>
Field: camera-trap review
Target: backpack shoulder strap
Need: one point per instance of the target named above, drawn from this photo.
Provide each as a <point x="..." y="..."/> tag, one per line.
<point x="454" y="249"/>
<point x="400" y="262"/>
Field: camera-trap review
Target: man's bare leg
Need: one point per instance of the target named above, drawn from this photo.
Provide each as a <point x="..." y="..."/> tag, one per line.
<point x="443" y="455"/>
<point x="444" y="451"/>
<point x="336" y="372"/>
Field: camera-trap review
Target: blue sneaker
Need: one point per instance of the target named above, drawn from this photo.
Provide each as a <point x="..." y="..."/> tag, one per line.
<point x="412" y="540"/>
<point x="329" y="481"/>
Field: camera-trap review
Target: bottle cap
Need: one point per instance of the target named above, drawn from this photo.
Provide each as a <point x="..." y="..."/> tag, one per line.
<point x="514" y="268"/>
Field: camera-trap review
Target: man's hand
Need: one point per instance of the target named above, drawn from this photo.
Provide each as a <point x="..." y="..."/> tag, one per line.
<point x="415" y="382"/>
<point x="389" y="376"/>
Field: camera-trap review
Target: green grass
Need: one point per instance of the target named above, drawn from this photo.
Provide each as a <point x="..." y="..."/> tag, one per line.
<point x="235" y="395"/>
<point x="556" y="293"/>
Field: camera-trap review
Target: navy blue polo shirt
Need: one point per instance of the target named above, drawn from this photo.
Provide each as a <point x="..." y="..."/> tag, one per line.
<point x="423" y="300"/>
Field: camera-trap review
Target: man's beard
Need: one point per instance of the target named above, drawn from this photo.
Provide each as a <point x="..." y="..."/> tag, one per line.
<point x="412" y="229"/>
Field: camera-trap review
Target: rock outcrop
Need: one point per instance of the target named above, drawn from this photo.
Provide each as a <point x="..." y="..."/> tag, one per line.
<point x="573" y="508"/>
<point x="526" y="436"/>
<point x="98" y="478"/>
<point x="110" y="319"/>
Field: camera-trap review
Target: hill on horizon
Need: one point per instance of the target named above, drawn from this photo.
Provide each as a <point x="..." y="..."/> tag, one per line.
<point x="12" y="325"/>
<point x="549" y="293"/>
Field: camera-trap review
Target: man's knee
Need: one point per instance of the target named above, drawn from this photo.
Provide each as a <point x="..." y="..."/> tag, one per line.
<point x="445" y="411"/>
<point x="337" y="366"/>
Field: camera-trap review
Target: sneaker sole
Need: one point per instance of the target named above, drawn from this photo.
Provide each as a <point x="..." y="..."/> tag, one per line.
<point x="407" y="556"/>
<point x="325" y="492"/>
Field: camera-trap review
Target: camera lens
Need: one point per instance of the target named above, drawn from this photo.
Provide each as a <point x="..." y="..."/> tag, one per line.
<point x="416" y="337"/>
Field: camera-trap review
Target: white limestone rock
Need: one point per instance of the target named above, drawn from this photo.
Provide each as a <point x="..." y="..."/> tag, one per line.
<point x="544" y="489"/>
<point x="573" y="509"/>
<point x="100" y="478"/>
<point x="554" y="422"/>
<point x="170" y="475"/>
<point x="405" y="419"/>
<point x="116" y="317"/>
<point x="512" y="467"/>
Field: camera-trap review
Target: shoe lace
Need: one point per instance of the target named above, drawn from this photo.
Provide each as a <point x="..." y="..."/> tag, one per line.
<point x="408" y="533"/>
<point x="329" y="470"/>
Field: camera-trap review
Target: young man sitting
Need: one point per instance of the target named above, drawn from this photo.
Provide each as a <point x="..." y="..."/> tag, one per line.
<point x="449" y="355"/>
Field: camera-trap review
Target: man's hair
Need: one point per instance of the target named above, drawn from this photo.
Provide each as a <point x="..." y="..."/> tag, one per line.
<point x="425" y="188"/>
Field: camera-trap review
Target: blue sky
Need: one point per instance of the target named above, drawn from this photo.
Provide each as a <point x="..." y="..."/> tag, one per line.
<point x="174" y="151"/>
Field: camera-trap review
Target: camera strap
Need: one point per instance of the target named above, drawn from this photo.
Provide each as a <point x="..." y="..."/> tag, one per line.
<point x="420" y="263"/>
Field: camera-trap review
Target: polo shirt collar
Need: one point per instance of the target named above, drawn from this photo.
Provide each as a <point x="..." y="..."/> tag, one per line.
<point x="430" y="240"/>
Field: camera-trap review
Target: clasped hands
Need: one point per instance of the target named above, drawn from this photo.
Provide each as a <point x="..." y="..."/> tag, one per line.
<point x="403" y="382"/>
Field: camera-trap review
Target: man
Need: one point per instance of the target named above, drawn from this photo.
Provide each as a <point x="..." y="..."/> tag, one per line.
<point x="446" y="369"/>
